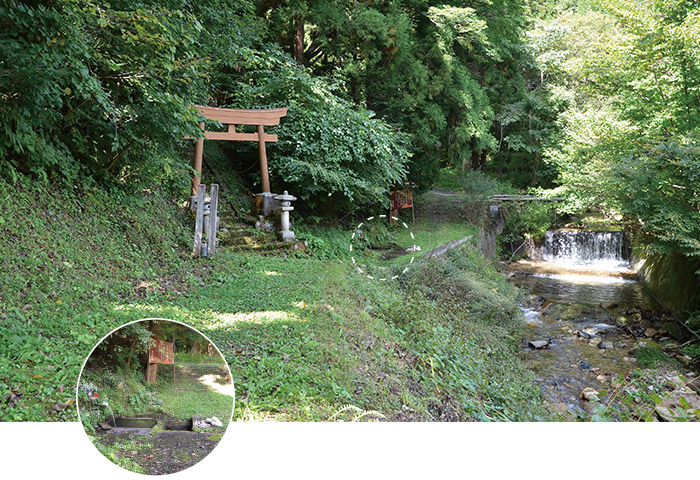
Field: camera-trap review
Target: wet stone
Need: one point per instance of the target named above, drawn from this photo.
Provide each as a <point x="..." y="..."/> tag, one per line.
<point x="583" y="334"/>
<point x="589" y="394"/>
<point x="538" y="344"/>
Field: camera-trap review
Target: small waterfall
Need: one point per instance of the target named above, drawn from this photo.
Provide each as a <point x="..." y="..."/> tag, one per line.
<point x="573" y="248"/>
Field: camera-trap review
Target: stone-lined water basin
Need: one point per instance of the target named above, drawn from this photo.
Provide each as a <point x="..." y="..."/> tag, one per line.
<point x="144" y="424"/>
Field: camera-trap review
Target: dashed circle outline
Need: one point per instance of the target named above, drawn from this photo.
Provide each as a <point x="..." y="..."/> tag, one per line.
<point x="383" y="279"/>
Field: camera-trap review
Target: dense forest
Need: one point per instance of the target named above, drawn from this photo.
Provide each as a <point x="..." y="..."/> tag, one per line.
<point x="594" y="100"/>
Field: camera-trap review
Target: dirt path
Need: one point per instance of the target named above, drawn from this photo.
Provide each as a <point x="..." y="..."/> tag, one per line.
<point x="187" y="375"/>
<point x="162" y="452"/>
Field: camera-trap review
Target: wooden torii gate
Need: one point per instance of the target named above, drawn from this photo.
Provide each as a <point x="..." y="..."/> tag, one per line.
<point x="231" y="118"/>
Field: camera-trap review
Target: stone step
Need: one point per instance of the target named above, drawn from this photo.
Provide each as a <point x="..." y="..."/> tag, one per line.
<point x="246" y="240"/>
<point x="261" y="247"/>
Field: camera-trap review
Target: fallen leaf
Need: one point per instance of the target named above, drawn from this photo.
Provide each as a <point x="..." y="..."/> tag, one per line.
<point x="69" y="401"/>
<point x="37" y="376"/>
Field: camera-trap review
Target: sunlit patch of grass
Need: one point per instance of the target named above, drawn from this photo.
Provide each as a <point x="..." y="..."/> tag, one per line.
<point x="256" y="317"/>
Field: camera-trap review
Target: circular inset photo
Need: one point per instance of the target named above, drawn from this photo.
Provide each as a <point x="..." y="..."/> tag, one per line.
<point x="155" y="396"/>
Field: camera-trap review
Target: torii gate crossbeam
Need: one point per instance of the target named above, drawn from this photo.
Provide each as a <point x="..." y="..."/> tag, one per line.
<point x="231" y="118"/>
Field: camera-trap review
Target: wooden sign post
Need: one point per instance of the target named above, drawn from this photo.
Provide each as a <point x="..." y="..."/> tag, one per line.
<point x="400" y="199"/>
<point x="160" y="352"/>
<point x="231" y="118"/>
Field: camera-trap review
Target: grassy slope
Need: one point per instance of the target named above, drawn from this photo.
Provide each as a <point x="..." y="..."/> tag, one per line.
<point x="304" y="336"/>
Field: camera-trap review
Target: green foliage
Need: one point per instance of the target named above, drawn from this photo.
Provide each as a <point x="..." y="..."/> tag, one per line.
<point x="334" y="157"/>
<point x="476" y="184"/>
<point x="118" y="453"/>
<point x="442" y="72"/>
<point x="99" y="91"/>
<point x="71" y="259"/>
<point x="526" y="220"/>
<point x="126" y="346"/>
<point x="650" y="356"/>
<point x="659" y="187"/>
<point x="628" y="72"/>
<point x="693" y="323"/>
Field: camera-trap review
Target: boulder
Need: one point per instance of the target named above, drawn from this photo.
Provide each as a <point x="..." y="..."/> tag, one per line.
<point x="607" y="345"/>
<point x="595" y="341"/>
<point x="650" y="332"/>
<point x="673" y="329"/>
<point x="608" y="305"/>
<point x="538" y="344"/>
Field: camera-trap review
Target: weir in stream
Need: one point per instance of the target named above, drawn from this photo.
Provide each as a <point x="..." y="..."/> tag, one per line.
<point x="575" y="248"/>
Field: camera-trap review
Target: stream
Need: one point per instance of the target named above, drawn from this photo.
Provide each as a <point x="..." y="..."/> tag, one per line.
<point x="586" y="304"/>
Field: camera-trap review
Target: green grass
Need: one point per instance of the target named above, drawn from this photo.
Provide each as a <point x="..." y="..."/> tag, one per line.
<point x="186" y="357"/>
<point x="188" y="397"/>
<point x="305" y="336"/>
<point x="430" y="234"/>
<point x="117" y="453"/>
<point x="66" y="259"/>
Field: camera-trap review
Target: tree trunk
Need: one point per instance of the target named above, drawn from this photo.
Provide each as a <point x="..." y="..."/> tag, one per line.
<point x="152" y="368"/>
<point x="131" y="352"/>
<point x="535" y="169"/>
<point x="299" y="44"/>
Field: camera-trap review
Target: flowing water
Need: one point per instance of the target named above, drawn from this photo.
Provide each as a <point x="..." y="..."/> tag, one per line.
<point x="576" y="248"/>
<point x="575" y="275"/>
<point x="105" y="404"/>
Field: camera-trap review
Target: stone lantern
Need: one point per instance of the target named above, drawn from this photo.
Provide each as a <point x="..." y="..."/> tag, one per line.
<point x="285" y="207"/>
